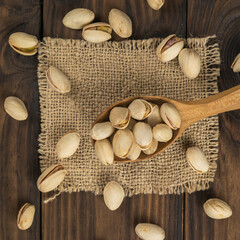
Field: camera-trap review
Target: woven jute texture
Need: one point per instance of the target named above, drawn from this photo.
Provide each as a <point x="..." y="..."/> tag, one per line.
<point x="102" y="74"/>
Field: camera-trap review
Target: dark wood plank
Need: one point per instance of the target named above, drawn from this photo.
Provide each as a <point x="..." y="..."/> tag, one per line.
<point x="221" y="18"/>
<point x="83" y="215"/>
<point x="18" y="140"/>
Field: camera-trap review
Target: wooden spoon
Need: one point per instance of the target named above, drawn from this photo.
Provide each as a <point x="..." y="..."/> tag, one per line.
<point x="190" y="112"/>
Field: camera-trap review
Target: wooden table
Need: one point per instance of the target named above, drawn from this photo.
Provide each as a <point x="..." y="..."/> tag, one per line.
<point x="82" y="215"/>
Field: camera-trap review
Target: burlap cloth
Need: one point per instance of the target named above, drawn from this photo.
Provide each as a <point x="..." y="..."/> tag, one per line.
<point x="101" y="74"/>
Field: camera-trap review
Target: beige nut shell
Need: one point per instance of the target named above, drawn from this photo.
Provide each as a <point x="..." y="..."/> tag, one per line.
<point x="25" y="216"/>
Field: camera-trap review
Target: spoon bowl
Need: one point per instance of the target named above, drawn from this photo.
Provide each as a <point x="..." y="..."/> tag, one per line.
<point x="190" y="112"/>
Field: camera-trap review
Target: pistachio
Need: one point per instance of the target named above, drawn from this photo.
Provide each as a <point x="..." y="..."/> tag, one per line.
<point x="78" y="18"/>
<point x="25" y="216"/>
<point x="217" y="209"/>
<point x="97" y="32"/>
<point x="131" y="124"/>
<point x="236" y="64"/>
<point x="113" y="195"/>
<point x="58" y="80"/>
<point x="169" y="48"/>
<point x="120" y="23"/>
<point x="140" y="109"/>
<point x="15" y="108"/>
<point x="170" y="115"/>
<point x="67" y="145"/>
<point x="134" y="151"/>
<point x="119" y="117"/>
<point x="162" y="132"/>
<point x="23" y="43"/>
<point x="190" y="62"/>
<point x="102" y="130"/>
<point x="51" y="178"/>
<point x="143" y="135"/>
<point x="148" y="231"/>
<point x="155" y="4"/>
<point x="104" y="151"/>
<point x="153" y="147"/>
<point x="197" y="159"/>
<point x="122" y="142"/>
<point x="154" y="118"/>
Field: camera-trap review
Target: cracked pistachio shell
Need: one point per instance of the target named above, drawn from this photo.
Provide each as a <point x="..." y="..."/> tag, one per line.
<point x="162" y="133"/>
<point x="154" y="118"/>
<point x="140" y="109"/>
<point x="134" y="151"/>
<point x="153" y="147"/>
<point x="51" y="178"/>
<point x="236" y="64"/>
<point x="97" y="32"/>
<point x="217" y="209"/>
<point x="58" y="80"/>
<point x="67" y="145"/>
<point x="131" y="124"/>
<point x="170" y="115"/>
<point x="143" y="135"/>
<point x="119" y="117"/>
<point x="120" y="23"/>
<point x="169" y="48"/>
<point x="122" y="142"/>
<point x="155" y="4"/>
<point x="78" y="18"/>
<point x="23" y="43"/>
<point x="104" y="151"/>
<point x="15" y="108"/>
<point x="25" y="216"/>
<point x="102" y="130"/>
<point x="197" y="159"/>
<point x="190" y="62"/>
<point x="148" y="231"/>
<point x="113" y="195"/>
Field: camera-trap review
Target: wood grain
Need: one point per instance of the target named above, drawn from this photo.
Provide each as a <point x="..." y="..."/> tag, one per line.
<point x="18" y="140"/>
<point x="220" y="18"/>
<point x="83" y="215"/>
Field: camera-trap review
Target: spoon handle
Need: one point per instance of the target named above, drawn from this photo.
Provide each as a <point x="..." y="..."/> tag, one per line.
<point x="225" y="101"/>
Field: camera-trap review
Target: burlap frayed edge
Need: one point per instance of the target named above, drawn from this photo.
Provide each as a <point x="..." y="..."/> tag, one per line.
<point x="212" y="73"/>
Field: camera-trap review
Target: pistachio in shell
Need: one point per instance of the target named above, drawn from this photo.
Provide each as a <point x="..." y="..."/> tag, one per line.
<point x="236" y="64"/>
<point x="162" y="132"/>
<point x="120" y="117"/>
<point x="154" y="118"/>
<point x="217" y="209"/>
<point x="15" y="108"/>
<point x="97" y="32"/>
<point x="140" y="109"/>
<point x="170" y="115"/>
<point x="120" y="23"/>
<point x="155" y="4"/>
<point x="25" y="216"/>
<point x="58" y="80"/>
<point x="134" y="151"/>
<point x="102" y="130"/>
<point x="143" y="135"/>
<point x="148" y="231"/>
<point x="122" y="142"/>
<point x="23" y="43"/>
<point x="197" y="159"/>
<point x="104" y="151"/>
<point x="67" y="145"/>
<point x="169" y="48"/>
<point x="153" y="147"/>
<point x="190" y="62"/>
<point x="113" y="195"/>
<point x="51" y="178"/>
<point x="78" y="18"/>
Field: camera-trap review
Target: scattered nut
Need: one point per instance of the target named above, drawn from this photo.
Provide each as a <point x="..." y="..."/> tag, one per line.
<point x="190" y="63"/>
<point x="78" y="18"/>
<point x="25" y="216"/>
<point x="15" y="108"/>
<point x="236" y="64"/>
<point x="162" y="133"/>
<point x="148" y="231"/>
<point x="155" y="4"/>
<point x="51" y="178"/>
<point x="23" y="43"/>
<point x="104" y="151"/>
<point x="217" y="209"/>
